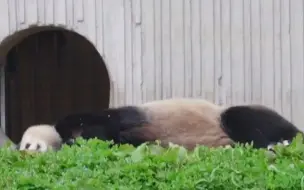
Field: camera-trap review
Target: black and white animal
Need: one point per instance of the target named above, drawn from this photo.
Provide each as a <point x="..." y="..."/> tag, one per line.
<point x="186" y="122"/>
<point x="40" y="138"/>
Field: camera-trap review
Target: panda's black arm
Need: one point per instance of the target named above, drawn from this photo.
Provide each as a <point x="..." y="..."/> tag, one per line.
<point x="136" y="136"/>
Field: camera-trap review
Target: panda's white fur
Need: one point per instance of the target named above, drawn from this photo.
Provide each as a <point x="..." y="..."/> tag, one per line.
<point x="40" y="138"/>
<point x="270" y="147"/>
<point x="184" y="121"/>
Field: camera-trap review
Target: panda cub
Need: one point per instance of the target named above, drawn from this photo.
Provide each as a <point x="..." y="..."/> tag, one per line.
<point x="40" y="138"/>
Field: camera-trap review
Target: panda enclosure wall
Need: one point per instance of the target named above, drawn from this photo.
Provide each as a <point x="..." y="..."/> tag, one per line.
<point x="227" y="51"/>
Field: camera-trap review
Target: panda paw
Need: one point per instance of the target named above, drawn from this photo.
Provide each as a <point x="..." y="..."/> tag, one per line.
<point x="284" y="143"/>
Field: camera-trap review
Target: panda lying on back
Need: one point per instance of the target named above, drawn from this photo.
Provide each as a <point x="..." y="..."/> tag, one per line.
<point x="187" y="122"/>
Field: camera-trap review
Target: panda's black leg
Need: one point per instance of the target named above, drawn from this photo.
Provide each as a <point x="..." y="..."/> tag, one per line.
<point x="135" y="141"/>
<point x="247" y="135"/>
<point x="128" y="117"/>
<point x="136" y="136"/>
<point x="258" y="124"/>
<point x="70" y="142"/>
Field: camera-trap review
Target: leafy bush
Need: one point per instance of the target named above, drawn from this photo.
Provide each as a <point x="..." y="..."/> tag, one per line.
<point x="93" y="165"/>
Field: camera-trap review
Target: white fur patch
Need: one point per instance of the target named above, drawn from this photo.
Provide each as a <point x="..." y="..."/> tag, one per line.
<point x="286" y="143"/>
<point x="270" y="146"/>
<point x="40" y="138"/>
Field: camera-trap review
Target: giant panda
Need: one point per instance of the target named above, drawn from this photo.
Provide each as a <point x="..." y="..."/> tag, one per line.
<point x="40" y="138"/>
<point x="181" y="121"/>
<point x="184" y="121"/>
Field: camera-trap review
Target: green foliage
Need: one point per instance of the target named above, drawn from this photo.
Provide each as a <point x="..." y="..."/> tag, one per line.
<point x="93" y="165"/>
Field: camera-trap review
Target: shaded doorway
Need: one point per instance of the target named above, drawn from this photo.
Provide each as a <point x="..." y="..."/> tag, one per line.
<point x="50" y="74"/>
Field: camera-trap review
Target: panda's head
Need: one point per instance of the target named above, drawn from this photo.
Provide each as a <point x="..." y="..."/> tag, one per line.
<point x="40" y="138"/>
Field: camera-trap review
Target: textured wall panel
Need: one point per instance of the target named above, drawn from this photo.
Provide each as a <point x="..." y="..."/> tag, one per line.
<point x="228" y="51"/>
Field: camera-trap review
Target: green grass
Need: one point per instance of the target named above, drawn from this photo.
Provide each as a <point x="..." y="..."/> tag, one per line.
<point x="93" y="165"/>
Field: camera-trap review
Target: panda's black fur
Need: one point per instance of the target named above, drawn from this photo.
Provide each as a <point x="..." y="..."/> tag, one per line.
<point x="186" y="122"/>
<point x="90" y="125"/>
<point x="258" y="123"/>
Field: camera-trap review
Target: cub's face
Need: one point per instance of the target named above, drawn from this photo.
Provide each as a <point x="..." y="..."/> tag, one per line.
<point x="33" y="144"/>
